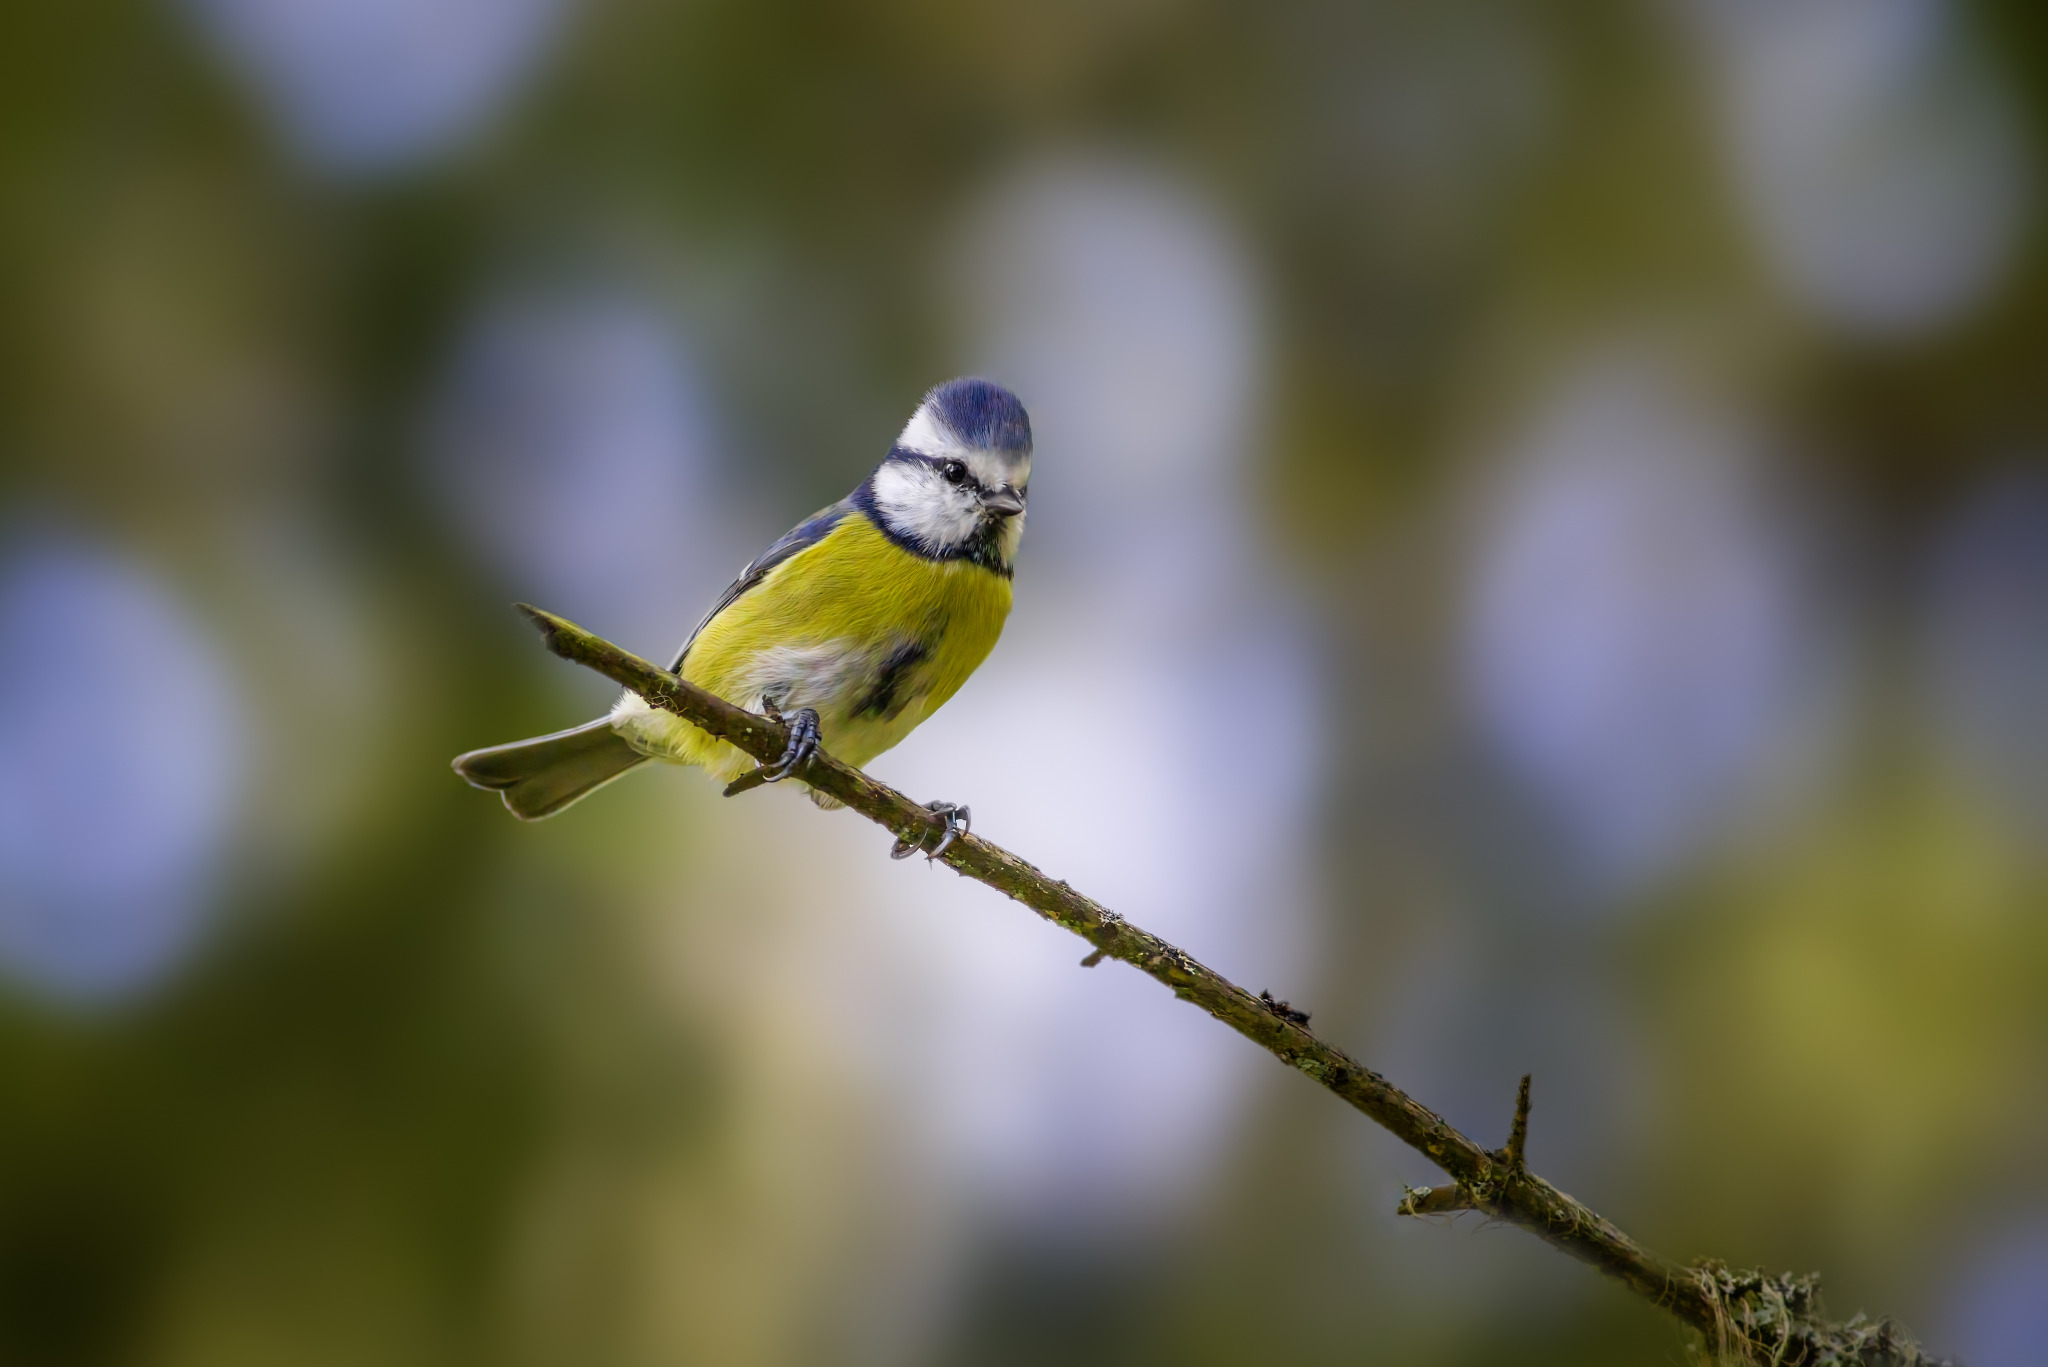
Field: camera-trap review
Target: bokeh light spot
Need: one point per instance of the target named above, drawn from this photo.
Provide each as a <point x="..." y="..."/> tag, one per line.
<point x="360" y="86"/>
<point x="572" y="446"/>
<point x="121" y="764"/>
<point x="1882" y="164"/>
<point x="1633" y="627"/>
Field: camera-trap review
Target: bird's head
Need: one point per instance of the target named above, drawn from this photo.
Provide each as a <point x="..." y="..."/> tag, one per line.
<point x="953" y="485"/>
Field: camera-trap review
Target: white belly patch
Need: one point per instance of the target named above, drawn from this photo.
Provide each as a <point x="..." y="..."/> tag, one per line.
<point x="834" y="678"/>
<point x="867" y="698"/>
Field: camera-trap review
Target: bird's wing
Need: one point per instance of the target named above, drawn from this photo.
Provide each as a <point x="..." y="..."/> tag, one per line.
<point x="805" y="534"/>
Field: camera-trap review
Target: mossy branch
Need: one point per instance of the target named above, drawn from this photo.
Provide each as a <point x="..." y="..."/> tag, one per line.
<point x="1744" y="1317"/>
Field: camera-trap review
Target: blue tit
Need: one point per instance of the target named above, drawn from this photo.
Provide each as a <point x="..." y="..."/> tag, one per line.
<point x="855" y="626"/>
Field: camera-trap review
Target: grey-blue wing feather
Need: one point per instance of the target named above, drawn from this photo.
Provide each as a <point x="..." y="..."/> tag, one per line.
<point x="807" y="533"/>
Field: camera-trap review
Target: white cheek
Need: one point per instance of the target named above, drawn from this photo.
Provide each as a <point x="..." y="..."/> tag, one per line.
<point x="918" y="504"/>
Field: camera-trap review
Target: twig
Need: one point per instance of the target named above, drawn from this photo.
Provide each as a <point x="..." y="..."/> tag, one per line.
<point x="1435" y="1200"/>
<point x="1497" y="1182"/>
<point x="1518" y="1133"/>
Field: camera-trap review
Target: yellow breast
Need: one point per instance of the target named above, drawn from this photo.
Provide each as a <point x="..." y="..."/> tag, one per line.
<point x="872" y="636"/>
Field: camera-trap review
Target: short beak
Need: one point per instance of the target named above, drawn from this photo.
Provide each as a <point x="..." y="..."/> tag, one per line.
<point x="1004" y="502"/>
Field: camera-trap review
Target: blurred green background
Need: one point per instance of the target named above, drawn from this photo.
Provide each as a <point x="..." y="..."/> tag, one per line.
<point x="1605" y="438"/>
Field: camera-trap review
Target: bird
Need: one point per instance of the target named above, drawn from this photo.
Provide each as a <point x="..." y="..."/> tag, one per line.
<point x="853" y="627"/>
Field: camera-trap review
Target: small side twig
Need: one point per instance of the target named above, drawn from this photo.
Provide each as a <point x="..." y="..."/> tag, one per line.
<point x="1518" y="1134"/>
<point x="1435" y="1200"/>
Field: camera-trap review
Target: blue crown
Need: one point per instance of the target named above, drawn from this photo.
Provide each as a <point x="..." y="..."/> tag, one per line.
<point x="982" y="413"/>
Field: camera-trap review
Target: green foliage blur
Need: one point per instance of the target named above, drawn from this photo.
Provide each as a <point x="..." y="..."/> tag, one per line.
<point x="433" y="1087"/>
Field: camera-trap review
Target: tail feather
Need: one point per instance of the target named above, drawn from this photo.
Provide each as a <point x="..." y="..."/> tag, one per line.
<point x="539" y="777"/>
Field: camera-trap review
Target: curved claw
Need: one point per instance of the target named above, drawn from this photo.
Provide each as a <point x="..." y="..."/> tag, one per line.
<point x="803" y="743"/>
<point x="958" y="821"/>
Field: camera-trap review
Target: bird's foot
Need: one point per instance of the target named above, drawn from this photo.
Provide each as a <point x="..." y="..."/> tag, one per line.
<point x="803" y="743"/>
<point x="958" y="820"/>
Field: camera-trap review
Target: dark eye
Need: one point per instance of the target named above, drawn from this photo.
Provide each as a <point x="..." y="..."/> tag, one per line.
<point x="954" y="471"/>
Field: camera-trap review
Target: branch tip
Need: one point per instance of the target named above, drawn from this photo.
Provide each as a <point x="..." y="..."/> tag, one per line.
<point x="549" y="625"/>
<point x="746" y="782"/>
